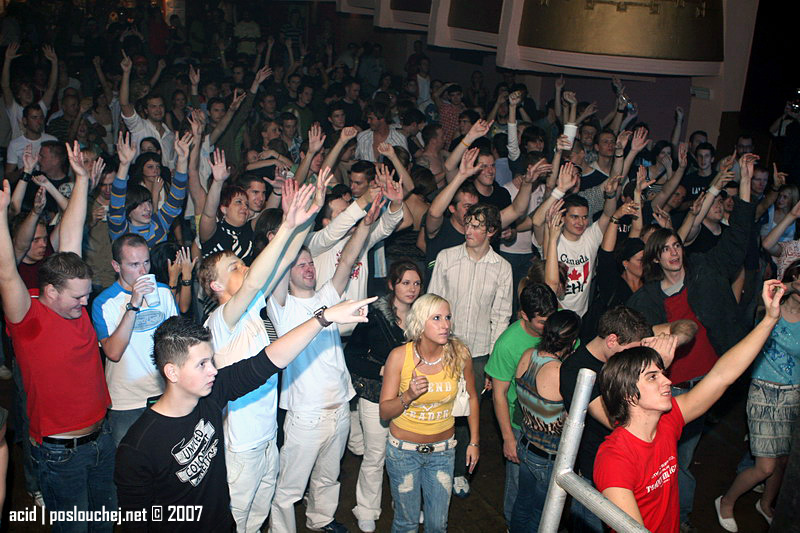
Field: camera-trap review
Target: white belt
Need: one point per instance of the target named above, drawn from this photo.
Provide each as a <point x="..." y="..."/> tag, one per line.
<point x="423" y="448"/>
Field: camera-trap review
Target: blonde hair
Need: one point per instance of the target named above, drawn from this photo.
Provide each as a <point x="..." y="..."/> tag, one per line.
<point x="455" y="353"/>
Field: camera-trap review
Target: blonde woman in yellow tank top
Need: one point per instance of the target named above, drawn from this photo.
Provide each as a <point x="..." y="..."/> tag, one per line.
<point x="420" y="383"/>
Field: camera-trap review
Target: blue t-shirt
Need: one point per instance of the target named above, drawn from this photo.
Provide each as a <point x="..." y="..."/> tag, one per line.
<point x="779" y="360"/>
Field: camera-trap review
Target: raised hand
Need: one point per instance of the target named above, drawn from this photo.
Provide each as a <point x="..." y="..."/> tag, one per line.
<point x="694" y="209"/>
<point x="174" y="267"/>
<point x="289" y="191"/>
<point x="628" y="208"/>
<point x="324" y="178"/>
<point x="479" y="129"/>
<point x="563" y="143"/>
<point x="514" y="98"/>
<point x="746" y="164"/>
<point x="639" y="139"/>
<point x="76" y="160"/>
<point x="467" y="167"/>
<point x="315" y="138"/>
<point x="611" y="185"/>
<point x="683" y="155"/>
<point x="194" y="76"/>
<point x="570" y="97"/>
<point x="40" y="200"/>
<point x="617" y="84"/>
<point x="348" y="133"/>
<point x="182" y="145"/>
<point x="238" y="98"/>
<point x="772" y="294"/>
<point x="678" y="113"/>
<point x="197" y="121"/>
<point x="643" y="181"/>
<point x="126" y="63"/>
<point x="50" y="53"/>
<point x="727" y="163"/>
<point x="262" y="74"/>
<point x="219" y="168"/>
<point x="622" y="139"/>
<point x="28" y="159"/>
<point x="560" y="83"/>
<point x="187" y="263"/>
<point x="97" y="170"/>
<point x="386" y="149"/>
<point x="662" y="218"/>
<point x="392" y="190"/>
<point x="298" y="213"/>
<point x="125" y="150"/>
<point x="567" y="177"/>
<point x="555" y="219"/>
<point x="778" y="178"/>
<point x="665" y="344"/>
<point x="375" y="209"/>
<point x="537" y="170"/>
<point x="11" y="51"/>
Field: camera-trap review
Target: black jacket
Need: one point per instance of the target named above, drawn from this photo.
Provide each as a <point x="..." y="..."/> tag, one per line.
<point x="708" y="281"/>
<point x="369" y="346"/>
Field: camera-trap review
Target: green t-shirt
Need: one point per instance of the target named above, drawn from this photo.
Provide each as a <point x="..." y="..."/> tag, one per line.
<point x="505" y="357"/>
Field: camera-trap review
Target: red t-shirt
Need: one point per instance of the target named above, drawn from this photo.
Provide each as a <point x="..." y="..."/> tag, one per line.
<point x="696" y="358"/>
<point x="648" y="469"/>
<point x="61" y="370"/>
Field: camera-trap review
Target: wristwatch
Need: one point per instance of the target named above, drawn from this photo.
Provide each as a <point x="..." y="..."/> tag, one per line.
<point x="319" y="314"/>
<point x="186" y="282"/>
<point x="130" y="307"/>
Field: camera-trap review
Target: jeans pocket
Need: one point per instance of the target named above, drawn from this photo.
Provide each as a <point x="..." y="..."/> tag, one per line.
<point x="235" y="466"/>
<point x="53" y="456"/>
<point x="306" y="421"/>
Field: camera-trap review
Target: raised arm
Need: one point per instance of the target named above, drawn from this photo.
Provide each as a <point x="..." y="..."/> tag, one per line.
<point x="117" y="218"/>
<point x="197" y="121"/>
<point x="220" y="172"/>
<point x="345" y="136"/>
<point x="387" y="150"/>
<point x="315" y="141"/>
<point x="771" y="194"/>
<point x="519" y="207"/>
<point x="225" y="121"/>
<point x="11" y="54"/>
<point x="435" y="215"/>
<point x="125" y="86"/>
<point x="160" y="66"/>
<point x="173" y="205"/>
<point x="770" y="242"/>
<point x="352" y="250"/>
<point x="559" y="86"/>
<point x="27" y="229"/>
<point x="638" y="143"/>
<point x="267" y="265"/>
<point x="567" y="179"/>
<point x="52" y="80"/>
<point x="478" y="130"/>
<point x="674" y="180"/>
<point x="735" y="361"/>
<point x="675" y="138"/>
<point x="101" y="78"/>
<point x="71" y="226"/>
<point x="13" y="293"/>
<point x="555" y="221"/>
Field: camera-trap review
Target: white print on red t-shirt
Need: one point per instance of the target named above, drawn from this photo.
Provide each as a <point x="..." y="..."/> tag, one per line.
<point x="356" y="268"/>
<point x="576" y="276"/>
<point x="196" y="454"/>
<point x="664" y="473"/>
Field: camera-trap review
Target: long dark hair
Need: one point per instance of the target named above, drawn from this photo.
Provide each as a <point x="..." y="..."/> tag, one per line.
<point x="560" y="332"/>
<point x="652" y="251"/>
<point x="398" y="269"/>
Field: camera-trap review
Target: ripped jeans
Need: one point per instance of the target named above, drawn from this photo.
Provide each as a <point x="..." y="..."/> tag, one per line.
<point x="414" y="475"/>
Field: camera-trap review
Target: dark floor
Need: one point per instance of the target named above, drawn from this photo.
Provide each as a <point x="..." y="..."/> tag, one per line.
<point x="715" y="463"/>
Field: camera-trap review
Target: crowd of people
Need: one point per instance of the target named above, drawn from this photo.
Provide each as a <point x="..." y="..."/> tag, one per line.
<point x="236" y="226"/>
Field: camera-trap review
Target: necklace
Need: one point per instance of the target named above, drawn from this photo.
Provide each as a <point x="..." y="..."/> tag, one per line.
<point x="424" y="362"/>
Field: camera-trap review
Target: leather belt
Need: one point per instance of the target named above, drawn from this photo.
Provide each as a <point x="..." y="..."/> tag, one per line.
<point x="73" y="442"/>
<point x="531" y="447"/>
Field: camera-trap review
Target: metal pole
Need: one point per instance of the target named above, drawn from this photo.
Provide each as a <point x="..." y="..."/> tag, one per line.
<point x="564" y="480"/>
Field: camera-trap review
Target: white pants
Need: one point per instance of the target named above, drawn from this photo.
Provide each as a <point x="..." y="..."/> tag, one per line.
<point x="313" y="447"/>
<point x="370" y="478"/>
<point x="355" y="442"/>
<point x="251" y="481"/>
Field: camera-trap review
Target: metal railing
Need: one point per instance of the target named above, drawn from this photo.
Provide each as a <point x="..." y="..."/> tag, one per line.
<point x="565" y="481"/>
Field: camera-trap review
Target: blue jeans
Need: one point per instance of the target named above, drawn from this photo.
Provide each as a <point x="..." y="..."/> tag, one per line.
<point x="687" y="445"/>
<point x="79" y="477"/>
<point x="412" y="474"/>
<point x="23" y="435"/>
<point x="534" y="478"/>
<point x="121" y="421"/>
<point x="511" y="488"/>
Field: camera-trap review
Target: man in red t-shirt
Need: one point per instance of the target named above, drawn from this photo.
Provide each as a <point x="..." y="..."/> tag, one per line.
<point x="636" y="467"/>
<point x="58" y="355"/>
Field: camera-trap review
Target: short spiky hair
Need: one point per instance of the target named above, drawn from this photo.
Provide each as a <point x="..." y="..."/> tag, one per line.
<point x="173" y="338"/>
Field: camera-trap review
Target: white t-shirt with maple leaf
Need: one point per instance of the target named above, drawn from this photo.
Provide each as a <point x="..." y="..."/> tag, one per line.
<point x="580" y="257"/>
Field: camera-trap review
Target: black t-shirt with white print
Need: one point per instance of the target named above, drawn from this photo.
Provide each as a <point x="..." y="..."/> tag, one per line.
<point x="165" y="461"/>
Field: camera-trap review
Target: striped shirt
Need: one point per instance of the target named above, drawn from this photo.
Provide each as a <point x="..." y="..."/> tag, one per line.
<point x="156" y="231"/>
<point x="364" y="149"/>
<point x="479" y="293"/>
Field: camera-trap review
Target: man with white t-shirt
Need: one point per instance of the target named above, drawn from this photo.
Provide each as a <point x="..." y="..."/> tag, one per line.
<point x="316" y="390"/>
<point x="577" y="247"/>
<point x="125" y="323"/>
<point x="237" y="333"/>
<point x="33" y="134"/>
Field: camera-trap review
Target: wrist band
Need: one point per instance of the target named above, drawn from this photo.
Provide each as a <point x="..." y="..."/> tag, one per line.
<point x="26" y="177"/>
<point x="614" y="220"/>
<point x="173" y="287"/>
<point x="558" y="194"/>
<point x="474" y="444"/>
<point x="465" y="144"/>
<point x="713" y="191"/>
<point x="405" y="405"/>
<point x="609" y="196"/>
<point x="186" y="282"/>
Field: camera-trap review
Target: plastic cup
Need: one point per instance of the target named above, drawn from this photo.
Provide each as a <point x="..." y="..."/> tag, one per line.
<point x="571" y="130"/>
<point x="152" y="299"/>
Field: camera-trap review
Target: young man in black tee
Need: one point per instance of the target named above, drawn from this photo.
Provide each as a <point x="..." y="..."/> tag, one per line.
<point x="173" y="455"/>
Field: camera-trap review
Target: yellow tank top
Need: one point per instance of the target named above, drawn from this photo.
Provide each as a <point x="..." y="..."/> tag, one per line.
<point x="432" y="412"/>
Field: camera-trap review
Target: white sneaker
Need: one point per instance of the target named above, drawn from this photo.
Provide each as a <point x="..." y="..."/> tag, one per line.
<point x="367" y="526"/>
<point x="37" y="498"/>
<point x="461" y="486"/>
<point x="5" y="373"/>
